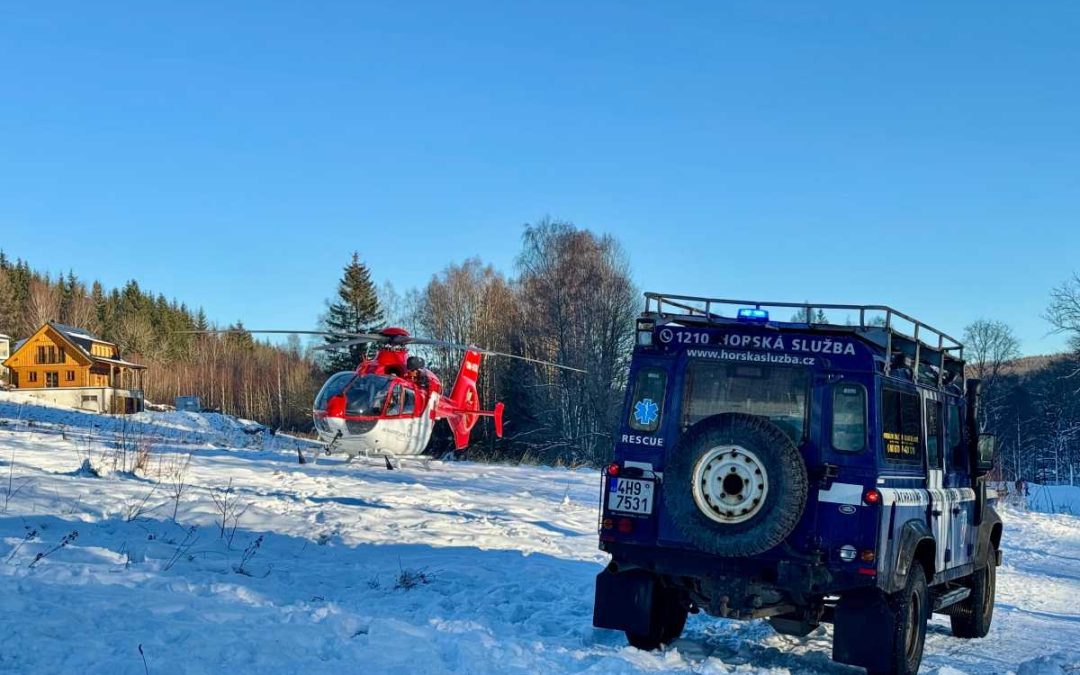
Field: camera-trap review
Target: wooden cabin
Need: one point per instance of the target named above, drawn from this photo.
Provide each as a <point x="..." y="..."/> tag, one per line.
<point x="58" y="357"/>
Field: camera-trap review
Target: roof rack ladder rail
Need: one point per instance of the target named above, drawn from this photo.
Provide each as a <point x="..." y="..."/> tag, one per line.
<point x="888" y="342"/>
<point x="941" y="366"/>
<point x="918" y="353"/>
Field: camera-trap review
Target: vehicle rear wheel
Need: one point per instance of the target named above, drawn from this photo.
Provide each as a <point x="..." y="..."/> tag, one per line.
<point x="971" y="618"/>
<point x="667" y="621"/>
<point x="911" y="609"/>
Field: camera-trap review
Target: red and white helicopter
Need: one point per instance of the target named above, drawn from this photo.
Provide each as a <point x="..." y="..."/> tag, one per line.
<point x="388" y="406"/>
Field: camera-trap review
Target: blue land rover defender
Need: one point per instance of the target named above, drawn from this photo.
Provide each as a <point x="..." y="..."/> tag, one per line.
<point x="803" y="471"/>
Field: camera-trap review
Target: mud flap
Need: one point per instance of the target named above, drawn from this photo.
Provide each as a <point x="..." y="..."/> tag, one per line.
<point x="624" y="601"/>
<point x="863" y="628"/>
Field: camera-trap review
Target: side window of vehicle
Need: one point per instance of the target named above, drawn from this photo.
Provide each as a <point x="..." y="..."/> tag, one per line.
<point x="394" y="406"/>
<point x="647" y="403"/>
<point x="955" y="437"/>
<point x="901" y="425"/>
<point x="409" y="406"/>
<point x="933" y="434"/>
<point x="849" y="417"/>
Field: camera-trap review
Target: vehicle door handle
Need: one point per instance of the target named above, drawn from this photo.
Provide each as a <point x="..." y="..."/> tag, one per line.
<point x="956" y="510"/>
<point x="935" y="512"/>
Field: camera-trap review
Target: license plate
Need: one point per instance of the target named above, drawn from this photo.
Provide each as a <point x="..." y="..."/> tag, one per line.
<point x="630" y="495"/>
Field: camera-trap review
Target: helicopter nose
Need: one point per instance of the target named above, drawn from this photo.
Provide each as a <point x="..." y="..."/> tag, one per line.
<point x="333" y="425"/>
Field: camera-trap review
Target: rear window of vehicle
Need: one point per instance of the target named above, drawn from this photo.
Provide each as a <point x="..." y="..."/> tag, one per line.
<point x="849" y="417"/>
<point x="777" y="393"/>
<point x="647" y="404"/>
<point x="901" y="425"/>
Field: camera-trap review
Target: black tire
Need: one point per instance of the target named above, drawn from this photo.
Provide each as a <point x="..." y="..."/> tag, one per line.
<point x="971" y="618"/>
<point x="911" y="610"/>
<point x="668" y="620"/>
<point x="783" y="503"/>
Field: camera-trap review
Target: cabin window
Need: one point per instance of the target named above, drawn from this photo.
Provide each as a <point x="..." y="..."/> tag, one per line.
<point x="901" y="425"/>
<point x="52" y="379"/>
<point x="40" y="355"/>
<point x="393" y="408"/>
<point x="933" y="434"/>
<point x="647" y="405"/>
<point x="849" y="417"/>
<point x="63" y="357"/>
<point x="33" y="376"/>
<point x="410" y="402"/>
<point x="776" y="393"/>
<point x="71" y="376"/>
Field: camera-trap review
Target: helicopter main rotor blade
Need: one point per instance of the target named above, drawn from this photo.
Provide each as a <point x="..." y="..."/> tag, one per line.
<point x="489" y="352"/>
<point x="347" y="343"/>
<point x="364" y="337"/>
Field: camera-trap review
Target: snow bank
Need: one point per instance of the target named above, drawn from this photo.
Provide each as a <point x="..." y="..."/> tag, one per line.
<point x="19" y="411"/>
<point x="1054" y="498"/>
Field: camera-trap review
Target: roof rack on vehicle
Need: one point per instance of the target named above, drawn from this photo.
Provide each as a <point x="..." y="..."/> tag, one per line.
<point x="897" y="333"/>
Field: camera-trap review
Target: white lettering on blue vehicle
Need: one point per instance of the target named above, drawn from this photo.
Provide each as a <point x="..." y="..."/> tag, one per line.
<point x="790" y="344"/>
<point x="637" y="439"/>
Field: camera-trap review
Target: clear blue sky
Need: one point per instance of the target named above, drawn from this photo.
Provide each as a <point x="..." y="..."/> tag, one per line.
<point x="231" y="155"/>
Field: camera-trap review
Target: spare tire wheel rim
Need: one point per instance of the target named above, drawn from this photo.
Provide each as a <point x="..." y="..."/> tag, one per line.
<point x="730" y="484"/>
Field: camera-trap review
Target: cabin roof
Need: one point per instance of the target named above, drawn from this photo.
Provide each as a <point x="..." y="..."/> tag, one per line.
<point x="81" y="338"/>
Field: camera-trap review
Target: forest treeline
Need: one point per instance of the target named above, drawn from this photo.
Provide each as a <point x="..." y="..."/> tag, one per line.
<point x="1032" y="404"/>
<point x="233" y="372"/>
<point x="570" y="300"/>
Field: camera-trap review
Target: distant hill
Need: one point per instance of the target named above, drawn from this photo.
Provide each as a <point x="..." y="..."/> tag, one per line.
<point x="1028" y="364"/>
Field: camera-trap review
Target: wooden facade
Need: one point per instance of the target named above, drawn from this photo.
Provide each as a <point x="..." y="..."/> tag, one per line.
<point x="58" y="356"/>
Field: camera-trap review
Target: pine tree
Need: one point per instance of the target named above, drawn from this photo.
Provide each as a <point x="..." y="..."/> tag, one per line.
<point x="9" y="306"/>
<point x="356" y="310"/>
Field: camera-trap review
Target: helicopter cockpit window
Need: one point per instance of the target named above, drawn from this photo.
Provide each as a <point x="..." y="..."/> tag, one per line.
<point x="409" y="408"/>
<point x="334" y="386"/>
<point x="366" y="394"/>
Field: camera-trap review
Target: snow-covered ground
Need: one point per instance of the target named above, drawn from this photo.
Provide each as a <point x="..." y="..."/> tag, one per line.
<point x="334" y="567"/>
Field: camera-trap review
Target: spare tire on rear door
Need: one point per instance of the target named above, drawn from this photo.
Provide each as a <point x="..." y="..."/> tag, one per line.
<point x="735" y="484"/>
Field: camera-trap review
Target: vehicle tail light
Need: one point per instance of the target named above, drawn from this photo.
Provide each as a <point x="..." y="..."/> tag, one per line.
<point x="613" y="469"/>
<point x="872" y="497"/>
<point x="867" y="556"/>
<point x="608" y="523"/>
<point x="868" y="572"/>
<point x="626" y="525"/>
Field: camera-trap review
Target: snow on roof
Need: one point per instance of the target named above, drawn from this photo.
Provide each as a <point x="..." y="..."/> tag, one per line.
<point x="118" y="362"/>
<point x="72" y="331"/>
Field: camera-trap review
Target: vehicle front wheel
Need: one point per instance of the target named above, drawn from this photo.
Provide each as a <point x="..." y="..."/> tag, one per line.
<point x="971" y="618"/>
<point x="666" y="623"/>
